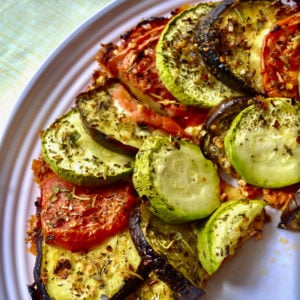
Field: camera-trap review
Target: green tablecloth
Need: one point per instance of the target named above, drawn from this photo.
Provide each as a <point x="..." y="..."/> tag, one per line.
<point x="30" y="31"/>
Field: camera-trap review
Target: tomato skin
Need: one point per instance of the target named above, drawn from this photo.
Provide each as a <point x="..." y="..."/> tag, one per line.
<point x="138" y="69"/>
<point x="77" y="218"/>
<point x="280" y="58"/>
<point x="191" y="117"/>
<point x="134" y="63"/>
<point x="142" y="114"/>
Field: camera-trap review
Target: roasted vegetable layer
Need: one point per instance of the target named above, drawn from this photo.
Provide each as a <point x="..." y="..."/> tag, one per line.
<point x="132" y="203"/>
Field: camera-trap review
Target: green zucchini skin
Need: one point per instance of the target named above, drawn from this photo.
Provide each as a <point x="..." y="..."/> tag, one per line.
<point x="74" y="156"/>
<point x="179" y="63"/>
<point x="262" y="143"/>
<point x="159" y="263"/>
<point x="232" y="54"/>
<point x="223" y="231"/>
<point x="141" y="258"/>
<point x="180" y="184"/>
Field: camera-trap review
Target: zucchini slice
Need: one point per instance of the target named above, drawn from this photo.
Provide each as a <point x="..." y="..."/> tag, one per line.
<point x="74" y="156"/>
<point x="179" y="63"/>
<point x="133" y="62"/>
<point x="223" y="231"/>
<point x="262" y="143"/>
<point x="231" y="36"/>
<point x="174" y="176"/>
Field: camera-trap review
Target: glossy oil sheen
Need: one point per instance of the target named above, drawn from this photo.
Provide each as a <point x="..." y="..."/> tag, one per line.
<point x="265" y="269"/>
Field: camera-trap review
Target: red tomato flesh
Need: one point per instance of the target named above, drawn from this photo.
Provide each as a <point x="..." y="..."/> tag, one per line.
<point x="78" y="218"/>
<point x="141" y="114"/>
<point x="280" y="58"/>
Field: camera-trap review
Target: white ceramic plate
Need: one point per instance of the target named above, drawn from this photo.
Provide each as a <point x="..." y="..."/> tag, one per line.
<point x="265" y="269"/>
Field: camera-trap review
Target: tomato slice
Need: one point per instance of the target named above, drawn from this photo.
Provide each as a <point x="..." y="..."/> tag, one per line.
<point x="134" y="63"/>
<point x="138" y="70"/>
<point x="77" y="218"/>
<point x="280" y="58"/>
<point x="192" y="117"/>
<point x="111" y="55"/>
<point x="140" y="113"/>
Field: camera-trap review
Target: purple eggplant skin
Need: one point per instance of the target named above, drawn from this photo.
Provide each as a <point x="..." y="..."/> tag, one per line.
<point x="182" y="288"/>
<point x="290" y="217"/>
<point x="225" y="50"/>
<point x="209" y="46"/>
<point x="107" y="141"/>
<point x="34" y="292"/>
<point x="132" y="284"/>
<point x="37" y="290"/>
<point x="215" y="127"/>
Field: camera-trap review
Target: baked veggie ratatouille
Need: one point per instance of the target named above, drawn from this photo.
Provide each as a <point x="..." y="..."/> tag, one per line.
<point x="134" y="203"/>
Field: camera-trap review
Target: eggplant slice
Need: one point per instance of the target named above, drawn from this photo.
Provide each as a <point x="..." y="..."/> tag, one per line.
<point x="179" y="63"/>
<point x="134" y="288"/>
<point x="215" y="128"/>
<point x="290" y="217"/>
<point x="230" y="38"/>
<point x="168" y="250"/>
<point x="109" y="125"/>
<point x="112" y="270"/>
<point x="124" y="265"/>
